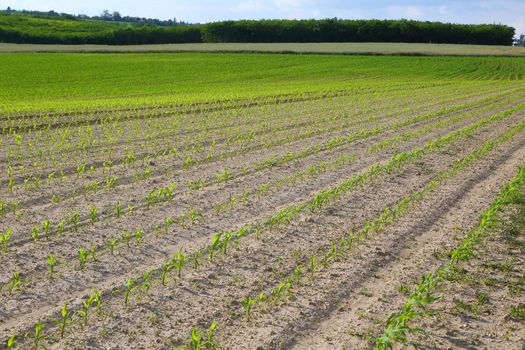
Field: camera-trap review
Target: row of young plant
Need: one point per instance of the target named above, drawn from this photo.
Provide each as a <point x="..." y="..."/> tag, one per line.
<point x="346" y="159"/>
<point x="271" y="161"/>
<point x="126" y="236"/>
<point x="186" y="155"/>
<point x="173" y="127"/>
<point x="221" y="240"/>
<point x="166" y="193"/>
<point x="130" y="158"/>
<point x="157" y="195"/>
<point x="281" y="217"/>
<point x="388" y="216"/>
<point x="337" y="249"/>
<point x="398" y="326"/>
<point x="10" y="123"/>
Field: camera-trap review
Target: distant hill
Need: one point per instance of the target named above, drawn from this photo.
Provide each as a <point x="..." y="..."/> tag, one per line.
<point x="113" y="29"/>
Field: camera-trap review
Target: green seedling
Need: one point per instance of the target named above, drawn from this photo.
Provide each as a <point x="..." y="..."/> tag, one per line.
<point x="64" y="320"/>
<point x="52" y="262"/>
<point x="39" y="336"/>
<point x="82" y="257"/>
<point x="167" y="223"/>
<point x="46" y="227"/>
<point x="128" y="289"/>
<point x="166" y="267"/>
<point x="179" y="261"/>
<point x="118" y="209"/>
<point x="145" y="285"/>
<point x="139" y="236"/>
<point x="83" y="313"/>
<point x="215" y="244"/>
<point x="93" y="214"/>
<point x="312" y="266"/>
<point x="60" y="227"/>
<point x="11" y="342"/>
<point x="74" y="219"/>
<point x="16" y="283"/>
<point x="126" y="237"/>
<point x="4" y="240"/>
<point x="92" y="252"/>
<point x="36" y="232"/>
<point x="247" y="304"/>
<point x="112" y="244"/>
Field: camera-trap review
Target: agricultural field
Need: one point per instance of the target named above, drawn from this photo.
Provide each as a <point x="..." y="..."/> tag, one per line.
<point x="261" y="201"/>
<point x="407" y="49"/>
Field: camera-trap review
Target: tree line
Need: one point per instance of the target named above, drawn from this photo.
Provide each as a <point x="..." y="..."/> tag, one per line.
<point x="325" y="30"/>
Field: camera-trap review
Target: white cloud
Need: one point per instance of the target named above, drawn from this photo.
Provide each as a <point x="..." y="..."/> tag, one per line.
<point x="414" y="12"/>
<point x="248" y="6"/>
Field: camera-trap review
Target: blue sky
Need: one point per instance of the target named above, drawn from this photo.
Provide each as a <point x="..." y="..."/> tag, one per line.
<point x="511" y="12"/>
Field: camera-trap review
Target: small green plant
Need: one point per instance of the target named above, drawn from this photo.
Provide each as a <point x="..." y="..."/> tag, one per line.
<point x="74" y="219"/>
<point x="178" y="261"/>
<point x="46" y="227"/>
<point x="52" y="262"/>
<point x="16" y="282"/>
<point x="112" y="244"/>
<point x="247" y="304"/>
<point x="36" y="232"/>
<point x="39" y="336"/>
<point x="60" y="227"/>
<point x="118" y="209"/>
<point x="126" y="237"/>
<point x="139" y="236"/>
<point x="4" y="240"/>
<point x="166" y="267"/>
<point x="215" y="244"/>
<point x="64" y="320"/>
<point x="92" y="214"/>
<point x="83" y="313"/>
<point x="129" y="287"/>
<point x="82" y="257"/>
<point x="11" y="342"/>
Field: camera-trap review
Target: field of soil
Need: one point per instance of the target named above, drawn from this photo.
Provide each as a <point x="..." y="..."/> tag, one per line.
<point x="298" y="220"/>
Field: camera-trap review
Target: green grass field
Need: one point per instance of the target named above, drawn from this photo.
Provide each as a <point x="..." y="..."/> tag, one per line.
<point x="52" y="82"/>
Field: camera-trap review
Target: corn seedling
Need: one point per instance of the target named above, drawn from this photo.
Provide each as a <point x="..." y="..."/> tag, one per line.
<point x="35" y="234"/>
<point x="64" y="320"/>
<point x="92" y="214"/>
<point x="11" y="342"/>
<point x="247" y="304"/>
<point x="178" y="261"/>
<point x="52" y="262"/>
<point x="145" y="285"/>
<point x="112" y="244"/>
<point x="128" y="289"/>
<point x="166" y="267"/>
<point x="139" y="236"/>
<point x="60" y="227"/>
<point x="92" y="252"/>
<point x="118" y="209"/>
<point x="74" y="219"/>
<point x="4" y="240"/>
<point x="312" y="266"/>
<point x="215" y="244"/>
<point x="15" y="284"/>
<point x="82" y="257"/>
<point x="83" y="313"/>
<point x="46" y="227"/>
<point x="126" y="237"/>
<point x="39" y="336"/>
